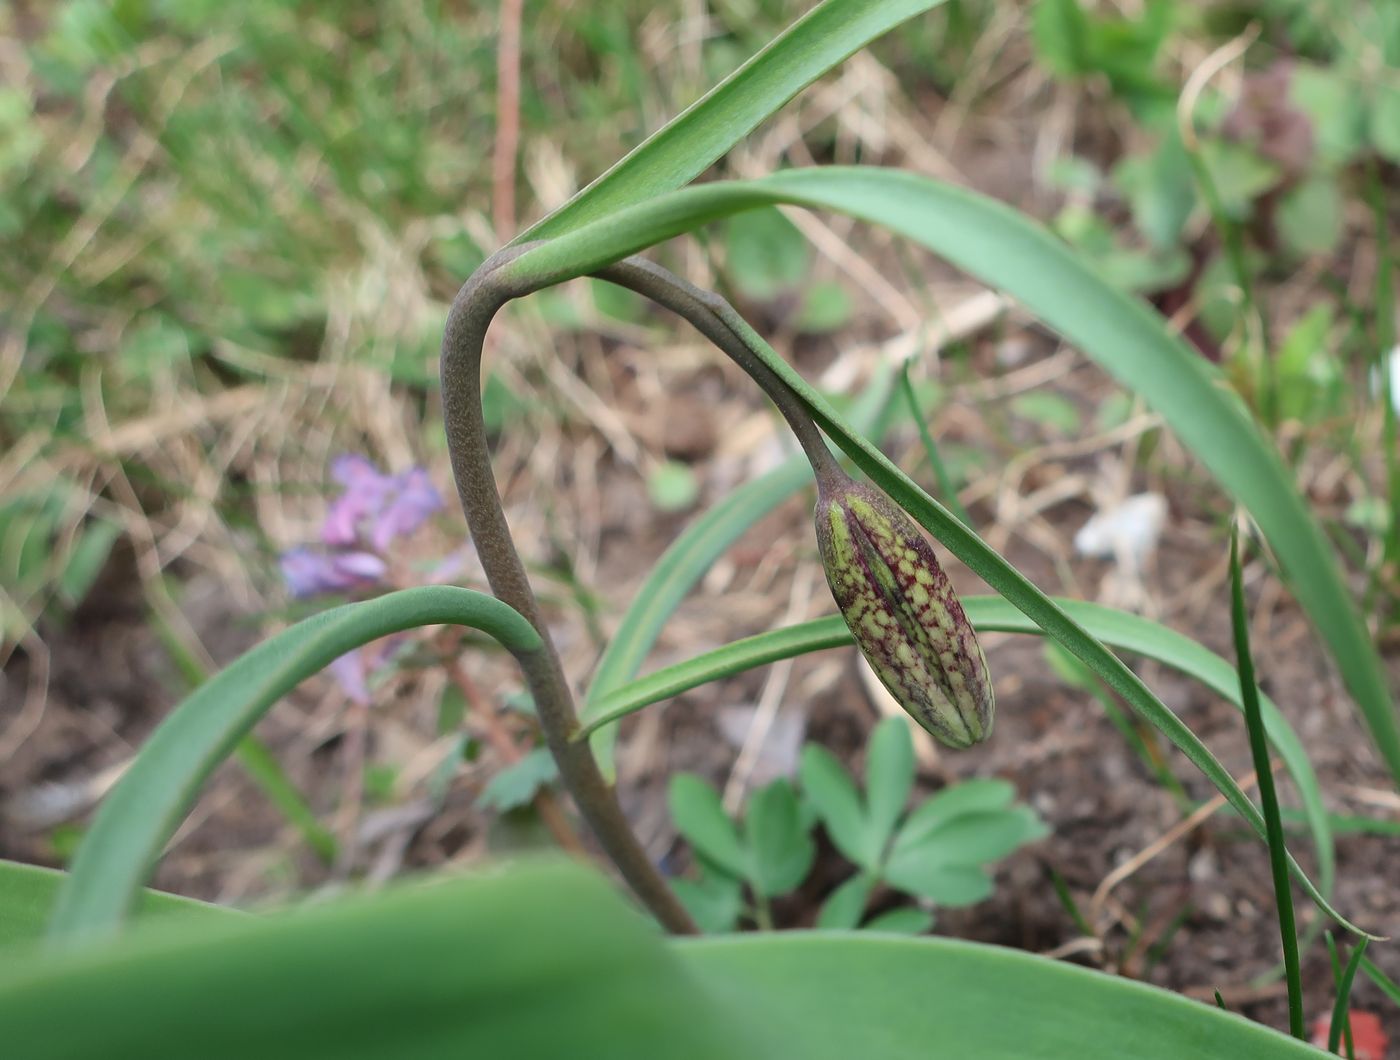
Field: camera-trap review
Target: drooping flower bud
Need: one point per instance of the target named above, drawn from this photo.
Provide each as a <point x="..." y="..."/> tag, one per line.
<point x="902" y="611"/>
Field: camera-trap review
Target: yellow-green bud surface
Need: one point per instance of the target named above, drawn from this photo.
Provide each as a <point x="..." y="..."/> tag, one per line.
<point x="903" y="613"/>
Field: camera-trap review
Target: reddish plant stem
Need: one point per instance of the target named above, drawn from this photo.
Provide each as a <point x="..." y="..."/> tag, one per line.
<point x="507" y="119"/>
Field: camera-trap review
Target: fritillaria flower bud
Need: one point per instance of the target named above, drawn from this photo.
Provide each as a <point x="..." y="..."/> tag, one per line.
<point x="902" y="611"/>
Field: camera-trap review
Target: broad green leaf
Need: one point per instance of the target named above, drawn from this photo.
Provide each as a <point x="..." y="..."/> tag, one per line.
<point x="1385" y="122"/>
<point x="765" y="255"/>
<point x="1310" y="216"/>
<point x="1060" y="34"/>
<point x="672" y="486"/>
<point x="518" y="783"/>
<point x="845" y="906"/>
<point x="927" y="874"/>
<point x="1120" y="629"/>
<point x="907" y="920"/>
<point x="28" y="893"/>
<point x="714" y="900"/>
<point x="825" y="307"/>
<point x="889" y="778"/>
<point x="700" y="817"/>
<point x="1000" y="246"/>
<point x="827" y="785"/>
<point x="1308" y="376"/>
<point x="546" y="960"/>
<point x="780" y="848"/>
<point x="146" y="807"/>
<point x="1047" y="409"/>
<point x="1329" y="97"/>
<point x="881" y="997"/>
<point x="686" y="146"/>
<point x="1240" y="175"/>
<point x="973" y="838"/>
<point x="977" y="795"/>
<point x="1160" y="191"/>
<point x="525" y="962"/>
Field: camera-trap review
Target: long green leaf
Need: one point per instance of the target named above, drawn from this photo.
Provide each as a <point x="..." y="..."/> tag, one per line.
<point x="693" y="553"/>
<point x="1119" y="629"/>
<point x="833" y="995"/>
<point x="697" y="137"/>
<point x="1003" y="248"/>
<point x="146" y="807"/>
<point x="28" y="893"/>
<point x="548" y="961"/>
<point x="532" y="962"/>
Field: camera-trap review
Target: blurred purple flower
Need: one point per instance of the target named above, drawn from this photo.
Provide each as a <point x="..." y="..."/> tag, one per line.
<point x="375" y="507"/>
<point x="405" y="510"/>
<point x="361" y="526"/>
<point x="351" y="674"/>
<point x="309" y="572"/>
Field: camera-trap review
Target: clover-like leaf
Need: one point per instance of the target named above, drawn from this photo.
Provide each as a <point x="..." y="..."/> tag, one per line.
<point x="700" y="817"/>
<point x="844" y="907"/>
<point x="889" y="778"/>
<point x="780" y="847"/>
<point x="830" y="790"/>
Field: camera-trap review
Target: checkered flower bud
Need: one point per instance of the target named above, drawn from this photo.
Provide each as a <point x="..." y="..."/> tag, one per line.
<point x="902" y="611"/>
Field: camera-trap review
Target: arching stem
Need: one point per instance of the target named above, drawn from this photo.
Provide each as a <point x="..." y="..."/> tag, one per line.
<point x="489" y="288"/>
<point x="471" y="315"/>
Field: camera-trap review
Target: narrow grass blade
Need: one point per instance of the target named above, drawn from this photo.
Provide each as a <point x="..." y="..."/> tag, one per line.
<point x="143" y="811"/>
<point x="1268" y="798"/>
<point x="1127" y="632"/>
<point x="692" y="141"/>
<point x="1005" y="249"/>
<point x="940" y="473"/>
<point x="1344" y="978"/>
<point x="1387" y="985"/>
<point x="267" y="773"/>
<point x="260" y="763"/>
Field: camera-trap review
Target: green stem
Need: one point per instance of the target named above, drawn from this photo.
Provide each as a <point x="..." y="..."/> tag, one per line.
<point x="707" y="312"/>
<point x="1268" y="798"/>
<point x="1385" y="343"/>
<point x="940" y="472"/>
<point x="472" y="311"/>
<point x="1238" y="260"/>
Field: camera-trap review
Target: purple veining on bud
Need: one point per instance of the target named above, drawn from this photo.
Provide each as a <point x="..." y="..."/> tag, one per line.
<point x="902" y="610"/>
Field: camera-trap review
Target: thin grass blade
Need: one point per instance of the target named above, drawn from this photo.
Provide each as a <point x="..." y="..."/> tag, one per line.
<point x="1268" y="797"/>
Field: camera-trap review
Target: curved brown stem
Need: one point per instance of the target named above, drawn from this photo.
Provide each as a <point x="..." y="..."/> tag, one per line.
<point x="472" y="311"/>
<point x="476" y="304"/>
<point x="709" y="314"/>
